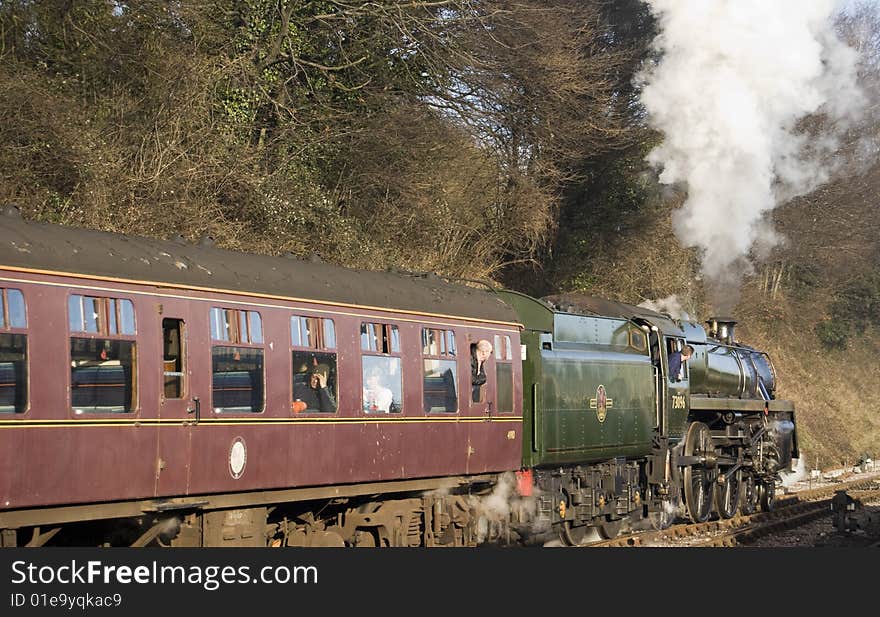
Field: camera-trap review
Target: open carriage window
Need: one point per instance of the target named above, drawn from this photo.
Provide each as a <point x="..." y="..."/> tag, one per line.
<point x="173" y="369"/>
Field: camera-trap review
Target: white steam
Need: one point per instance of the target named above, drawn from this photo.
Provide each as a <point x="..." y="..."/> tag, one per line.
<point x="494" y="511"/>
<point x="734" y="79"/>
<point x="798" y="474"/>
<point x="669" y="305"/>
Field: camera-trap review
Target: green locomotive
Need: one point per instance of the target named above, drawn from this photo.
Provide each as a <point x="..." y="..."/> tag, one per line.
<point x="612" y="438"/>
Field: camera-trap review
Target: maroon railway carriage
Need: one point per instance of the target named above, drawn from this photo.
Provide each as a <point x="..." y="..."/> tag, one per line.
<point x="163" y="393"/>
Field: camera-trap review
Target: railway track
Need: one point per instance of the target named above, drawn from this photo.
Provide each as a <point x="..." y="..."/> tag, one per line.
<point x="790" y="511"/>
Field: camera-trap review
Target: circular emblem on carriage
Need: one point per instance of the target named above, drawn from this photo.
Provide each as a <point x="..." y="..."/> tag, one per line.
<point x="237" y="458"/>
<point x="601" y="403"/>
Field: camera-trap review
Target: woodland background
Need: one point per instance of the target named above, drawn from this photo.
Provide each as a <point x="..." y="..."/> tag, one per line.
<point x="479" y="139"/>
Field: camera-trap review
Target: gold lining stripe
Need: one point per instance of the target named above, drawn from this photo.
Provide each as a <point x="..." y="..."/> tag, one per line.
<point x="246" y="422"/>
<point x="112" y="279"/>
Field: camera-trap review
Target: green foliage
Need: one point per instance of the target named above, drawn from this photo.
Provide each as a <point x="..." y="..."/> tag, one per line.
<point x="389" y="133"/>
<point x="605" y="211"/>
<point x="804" y="279"/>
<point x="833" y="334"/>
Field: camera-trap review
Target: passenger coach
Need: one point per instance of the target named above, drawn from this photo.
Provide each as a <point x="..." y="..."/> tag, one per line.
<point x="157" y="393"/>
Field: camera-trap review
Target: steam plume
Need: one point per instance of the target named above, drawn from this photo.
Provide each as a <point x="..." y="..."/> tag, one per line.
<point x="669" y="305"/>
<point x="734" y="79"/>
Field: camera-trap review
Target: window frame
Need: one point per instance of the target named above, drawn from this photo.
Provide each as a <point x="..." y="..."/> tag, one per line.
<point x="104" y="335"/>
<point x="305" y="349"/>
<point x="182" y="344"/>
<point x="444" y="355"/>
<point x="236" y="343"/>
<point x="7" y="328"/>
<point x="508" y="361"/>
<point x="388" y="328"/>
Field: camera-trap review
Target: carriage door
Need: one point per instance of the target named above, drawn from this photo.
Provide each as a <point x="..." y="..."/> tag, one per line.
<point x="178" y="404"/>
<point x="677" y="390"/>
<point x="481" y="409"/>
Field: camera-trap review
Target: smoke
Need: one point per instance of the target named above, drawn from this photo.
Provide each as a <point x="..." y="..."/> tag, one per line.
<point x="733" y="84"/>
<point x="669" y="305"/>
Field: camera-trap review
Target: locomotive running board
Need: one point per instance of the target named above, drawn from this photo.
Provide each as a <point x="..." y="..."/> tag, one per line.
<point x="700" y="403"/>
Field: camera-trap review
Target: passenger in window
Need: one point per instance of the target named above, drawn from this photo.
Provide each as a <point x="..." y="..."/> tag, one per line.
<point x="480" y="352"/>
<point x="316" y="396"/>
<point x="377" y="397"/>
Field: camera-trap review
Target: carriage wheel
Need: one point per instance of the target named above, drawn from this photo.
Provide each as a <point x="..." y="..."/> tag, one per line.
<point x="699" y="481"/>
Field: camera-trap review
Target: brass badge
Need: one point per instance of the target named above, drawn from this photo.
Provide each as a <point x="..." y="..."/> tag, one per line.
<point x="601" y="403"/>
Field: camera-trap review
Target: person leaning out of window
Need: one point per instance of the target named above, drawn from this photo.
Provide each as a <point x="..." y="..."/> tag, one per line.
<point x="479" y="354"/>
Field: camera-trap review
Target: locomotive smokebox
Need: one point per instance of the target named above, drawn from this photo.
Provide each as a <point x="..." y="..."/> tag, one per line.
<point x="721" y="328"/>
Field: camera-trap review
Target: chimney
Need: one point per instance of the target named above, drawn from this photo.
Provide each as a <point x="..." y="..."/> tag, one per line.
<point x="721" y="328"/>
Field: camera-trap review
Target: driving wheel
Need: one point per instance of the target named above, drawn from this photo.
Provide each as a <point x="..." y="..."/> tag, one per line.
<point x="699" y="478"/>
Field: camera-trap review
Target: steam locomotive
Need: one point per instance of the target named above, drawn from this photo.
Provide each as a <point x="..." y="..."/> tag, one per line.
<point x="158" y="393"/>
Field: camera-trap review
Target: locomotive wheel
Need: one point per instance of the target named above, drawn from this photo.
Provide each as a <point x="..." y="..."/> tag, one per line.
<point x="768" y="496"/>
<point x="750" y="495"/>
<point x="727" y="497"/>
<point x="699" y="481"/>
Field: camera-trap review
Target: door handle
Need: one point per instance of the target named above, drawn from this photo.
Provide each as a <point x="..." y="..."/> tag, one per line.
<point x="196" y="409"/>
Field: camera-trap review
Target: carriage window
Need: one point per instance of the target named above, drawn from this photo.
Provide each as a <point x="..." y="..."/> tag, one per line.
<point x="380" y="338"/>
<point x="237" y="369"/>
<point x="102" y="375"/>
<point x="312" y="332"/>
<point x="237" y="379"/>
<point x="103" y="368"/>
<point x="95" y="315"/>
<point x="504" y="373"/>
<point x="440" y="393"/>
<point x="381" y="364"/>
<point x="313" y="340"/>
<point x="13" y="353"/>
<point x="236" y="326"/>
<point x="172" y="358"/>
